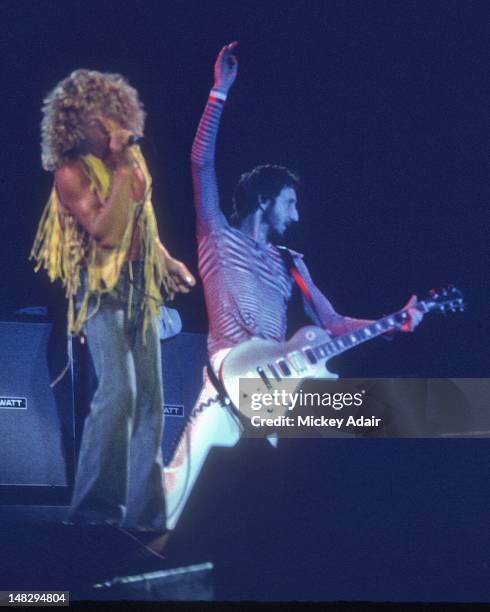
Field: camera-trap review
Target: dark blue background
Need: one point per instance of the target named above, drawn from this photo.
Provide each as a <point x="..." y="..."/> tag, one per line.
<point x="382" y="108"/>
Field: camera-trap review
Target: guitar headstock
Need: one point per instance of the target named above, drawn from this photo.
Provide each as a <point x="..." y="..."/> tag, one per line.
<point x="448" y="299"/>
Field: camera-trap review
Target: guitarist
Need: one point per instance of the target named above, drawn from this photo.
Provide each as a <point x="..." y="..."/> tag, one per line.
<point x="246" y="282"/>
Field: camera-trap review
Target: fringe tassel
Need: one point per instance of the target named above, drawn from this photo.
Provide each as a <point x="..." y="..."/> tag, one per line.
<point x="63" y="249"/>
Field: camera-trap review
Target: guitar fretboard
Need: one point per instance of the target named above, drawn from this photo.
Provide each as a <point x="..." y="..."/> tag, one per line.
<point x="339" y="344"/>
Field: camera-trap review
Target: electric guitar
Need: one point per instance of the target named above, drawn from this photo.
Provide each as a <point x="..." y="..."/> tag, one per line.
<point x="284" y="365"/>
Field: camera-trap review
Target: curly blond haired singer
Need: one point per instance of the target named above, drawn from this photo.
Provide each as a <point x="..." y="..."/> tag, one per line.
<point x="81" y="94"/>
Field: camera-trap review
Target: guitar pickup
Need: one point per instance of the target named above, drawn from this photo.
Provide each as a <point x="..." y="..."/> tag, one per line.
<point x="296" y="359"/>
<point x="310" y="356"/>
<point x="323" y="351"/>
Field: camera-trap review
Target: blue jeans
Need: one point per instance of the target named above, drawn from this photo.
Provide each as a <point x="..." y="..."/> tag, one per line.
<point x="120" y="468"/>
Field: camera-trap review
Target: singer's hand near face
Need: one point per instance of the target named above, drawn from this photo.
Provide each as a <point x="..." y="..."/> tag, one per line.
<point x="104" y="218"/>
<point x="107" y="139"/>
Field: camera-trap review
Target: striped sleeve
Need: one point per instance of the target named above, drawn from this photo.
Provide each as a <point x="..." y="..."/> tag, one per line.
<point x="206" y="196"/>
<point x="331" y="320"/>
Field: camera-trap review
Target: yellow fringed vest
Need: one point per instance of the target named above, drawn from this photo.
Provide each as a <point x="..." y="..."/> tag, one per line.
<point x="63" y="248"/>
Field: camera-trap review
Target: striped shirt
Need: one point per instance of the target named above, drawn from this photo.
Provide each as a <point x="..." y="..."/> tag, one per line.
<point x="246" y="287"/>
<point x="246" y="284"/>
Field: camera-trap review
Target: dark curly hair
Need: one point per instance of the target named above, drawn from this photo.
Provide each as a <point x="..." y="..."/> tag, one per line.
<point x="74" y="98"/>
<point x="266" y="181"/>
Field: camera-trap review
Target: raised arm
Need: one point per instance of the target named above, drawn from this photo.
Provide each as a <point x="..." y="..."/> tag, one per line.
<point x="206" y="197"/>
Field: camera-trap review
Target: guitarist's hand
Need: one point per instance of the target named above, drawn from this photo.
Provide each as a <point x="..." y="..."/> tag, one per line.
<point x="414" y="315"/>
<point x="225" y="68"/>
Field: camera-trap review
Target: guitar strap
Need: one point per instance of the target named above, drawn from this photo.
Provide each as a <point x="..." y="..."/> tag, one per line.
<point x="300" y="282"/>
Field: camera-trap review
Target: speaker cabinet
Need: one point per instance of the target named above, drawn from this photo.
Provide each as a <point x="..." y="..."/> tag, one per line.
<point x="36" y="421"/>
<point x="41" y="426"/>
<point x="183" y="358"/>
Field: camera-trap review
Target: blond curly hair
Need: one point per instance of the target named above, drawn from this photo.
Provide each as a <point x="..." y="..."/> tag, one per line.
<point x="84" y="92"/>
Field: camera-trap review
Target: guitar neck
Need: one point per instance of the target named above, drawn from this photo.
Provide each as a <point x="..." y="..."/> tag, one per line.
<point x="342" y="343"/>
